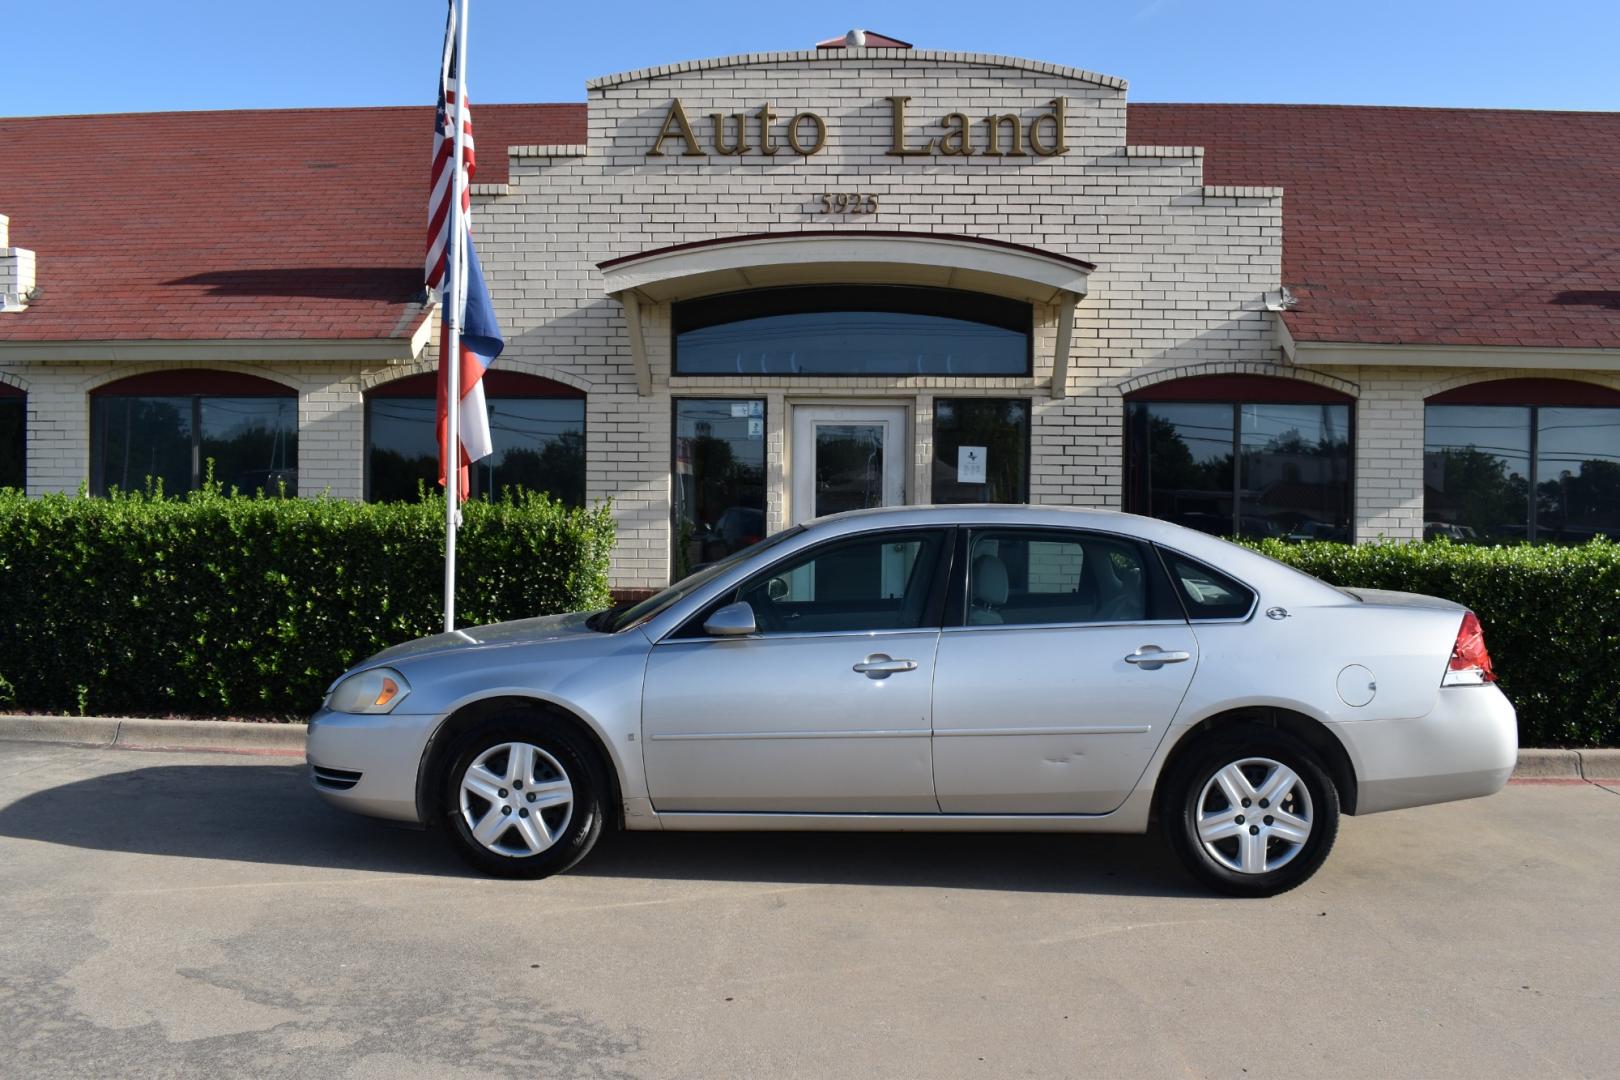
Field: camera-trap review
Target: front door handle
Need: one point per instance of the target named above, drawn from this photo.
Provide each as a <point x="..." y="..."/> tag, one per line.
<point x="1152" y="658"/>
<point x="881" y="666"/>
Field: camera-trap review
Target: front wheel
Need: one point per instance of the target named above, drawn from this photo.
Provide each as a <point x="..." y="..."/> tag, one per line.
<point x="524" y="798"/>
<point x="1252" y="813"/>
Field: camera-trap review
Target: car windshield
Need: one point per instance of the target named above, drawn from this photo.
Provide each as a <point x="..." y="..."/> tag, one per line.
<point x="628" y="615"/>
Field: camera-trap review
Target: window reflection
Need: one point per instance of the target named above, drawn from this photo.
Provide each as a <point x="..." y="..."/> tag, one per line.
<point x="1000" y="429"/>
<point x="1478" y="462"/>
<point x="539" y="445"/>
<point x="252" y="442"/>
<point x="852" y="330"/>
<point x="719" y="479"/>
<point x="13" y="446"/>
<point x="1243" y="469"/>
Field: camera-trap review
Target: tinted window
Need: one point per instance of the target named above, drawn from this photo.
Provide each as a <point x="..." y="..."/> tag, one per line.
<point x="1028" y="578"/>
<point x="1479" y="461"/>
<point x="252" y="442"/>
<point x="852" y="330"/>
<point x="1207" y="593"/>
<point x="981" y="450"/>
<point x="867" y="583"/>
<point x="1243" y="469"/>
<point x="13" y="417"/>
<point x="719" y="479"/>
<point x="539" y="446"/>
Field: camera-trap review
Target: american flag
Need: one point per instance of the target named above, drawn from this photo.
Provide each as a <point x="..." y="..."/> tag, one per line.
<point x="452" y="98"/>
<point x="468" y="299"/>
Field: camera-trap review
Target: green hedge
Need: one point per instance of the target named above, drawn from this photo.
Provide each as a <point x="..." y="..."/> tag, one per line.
<point x="223" y="605"/>
<point x="1551" y="618"/>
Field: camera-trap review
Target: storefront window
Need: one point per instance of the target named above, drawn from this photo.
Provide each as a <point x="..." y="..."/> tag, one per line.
<point x="538" y="428"/>
<point x="1254" y="468"/>
<point x="719" y="479"/>
<point x="13" y="444"/>
<point x="1498" y="472"/>
<point x="981" y="450"/>
<point x="852" y="330"/>
<point x="150" y="429"/>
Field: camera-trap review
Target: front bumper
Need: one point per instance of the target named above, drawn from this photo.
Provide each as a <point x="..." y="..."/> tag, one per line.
<point x="1467" y="746"/>
<point x="385" y="752"/>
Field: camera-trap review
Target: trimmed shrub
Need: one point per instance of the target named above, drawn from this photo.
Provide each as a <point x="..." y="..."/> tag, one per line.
<point x="225" y="605"/>
<point x="1551" y="617"/>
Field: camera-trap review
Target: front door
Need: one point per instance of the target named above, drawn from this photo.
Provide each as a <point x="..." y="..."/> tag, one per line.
<point x="1068" y="666"/>
<point x="826" y="708"/>
<point x="847" y="457"/>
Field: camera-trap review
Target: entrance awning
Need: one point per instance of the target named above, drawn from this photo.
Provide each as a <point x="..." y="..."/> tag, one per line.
<point x="765" y="260"/>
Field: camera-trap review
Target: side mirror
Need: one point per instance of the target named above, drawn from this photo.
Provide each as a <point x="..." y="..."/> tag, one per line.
<point x="733" y="620"/>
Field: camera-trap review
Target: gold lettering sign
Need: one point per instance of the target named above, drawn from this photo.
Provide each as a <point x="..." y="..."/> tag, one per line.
<point x="1004" y="135"/>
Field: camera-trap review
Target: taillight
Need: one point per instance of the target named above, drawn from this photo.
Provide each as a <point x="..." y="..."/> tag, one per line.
<point x="1470" y="663"/>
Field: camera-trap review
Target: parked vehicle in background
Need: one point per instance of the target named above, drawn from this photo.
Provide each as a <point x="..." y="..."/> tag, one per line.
<point x="944" y="668"/>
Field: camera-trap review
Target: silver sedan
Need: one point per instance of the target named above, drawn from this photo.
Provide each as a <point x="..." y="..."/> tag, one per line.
<point x="945" y="668"/>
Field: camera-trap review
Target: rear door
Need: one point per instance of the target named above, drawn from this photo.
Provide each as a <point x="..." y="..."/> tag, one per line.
<point x="827" y="707"/>
<point x="1068" y="658"/>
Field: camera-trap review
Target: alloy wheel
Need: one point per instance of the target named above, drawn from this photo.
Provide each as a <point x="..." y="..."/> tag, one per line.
<point x="516" y="799"/>
<point x="1254" y="815"/>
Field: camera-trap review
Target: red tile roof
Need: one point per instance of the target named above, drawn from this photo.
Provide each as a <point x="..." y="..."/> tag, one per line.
<point x="1427" y="226"/>
<point x="1413" y="226"/>
<point x="268" y="224"/>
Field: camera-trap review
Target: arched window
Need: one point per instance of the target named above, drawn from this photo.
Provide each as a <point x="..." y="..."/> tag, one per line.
<point x="852" y="330"/>
<point x="1522" y="459"/>
<point x="1242" y="455"/>
<point x="170" y="426"/>
<point x="13" y="437"/>
<point x="538" y="427"/>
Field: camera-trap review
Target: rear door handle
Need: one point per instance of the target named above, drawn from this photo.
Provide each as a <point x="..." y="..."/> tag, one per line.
<point x="881" y="666"/>
<point x="1151" y="657"/>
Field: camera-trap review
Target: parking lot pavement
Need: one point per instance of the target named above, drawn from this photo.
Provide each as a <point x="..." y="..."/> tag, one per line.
<point x="197" y="914"/>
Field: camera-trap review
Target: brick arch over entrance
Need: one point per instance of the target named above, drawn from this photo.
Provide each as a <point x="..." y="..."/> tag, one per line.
<point x="1144" y="386"/>
<point x="1247" y="388"/>
<point x="183" y="382"/>
<point x="12" y="385"/>
<point x="568" y="383"/>
<point x="496" y="383"/>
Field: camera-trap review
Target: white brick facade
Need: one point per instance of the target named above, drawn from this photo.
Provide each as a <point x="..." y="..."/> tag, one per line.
<point x="1182" y="276"/>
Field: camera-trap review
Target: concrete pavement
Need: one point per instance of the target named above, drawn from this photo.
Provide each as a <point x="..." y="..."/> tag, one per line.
<point x="203" y="915"/>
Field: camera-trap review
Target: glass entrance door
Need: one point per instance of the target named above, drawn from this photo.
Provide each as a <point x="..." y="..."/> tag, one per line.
<point x="847" y="457"/>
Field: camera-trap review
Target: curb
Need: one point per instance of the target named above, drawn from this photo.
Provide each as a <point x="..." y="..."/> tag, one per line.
<point x="137" y="732"/>
<point x="144" y="734"/>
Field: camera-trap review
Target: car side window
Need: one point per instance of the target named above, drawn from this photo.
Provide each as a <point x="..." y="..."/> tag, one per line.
<point x="1207" y="593"/>
<point x="1030" y="577"/>
<point x="882" y="582"/>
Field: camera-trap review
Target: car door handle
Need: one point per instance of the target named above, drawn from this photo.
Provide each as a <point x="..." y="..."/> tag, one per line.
<point x="1151" y="657"/>
<point x="881" y="666"/>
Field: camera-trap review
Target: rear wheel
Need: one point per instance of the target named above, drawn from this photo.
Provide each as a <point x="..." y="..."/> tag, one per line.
<point x="1251" y="812"/>
<point x="524" y="797"/>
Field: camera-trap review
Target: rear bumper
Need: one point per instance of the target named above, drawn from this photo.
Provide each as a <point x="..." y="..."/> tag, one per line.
<point x="1465" y="747"/>
<point x="384" y="751"/>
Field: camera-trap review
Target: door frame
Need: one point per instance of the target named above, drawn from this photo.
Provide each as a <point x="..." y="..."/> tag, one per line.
<point x="802" y="416"/>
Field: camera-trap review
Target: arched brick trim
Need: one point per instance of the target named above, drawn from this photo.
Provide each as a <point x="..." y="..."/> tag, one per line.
<point x="1455" y="382"/>
<point x="12" y="385"/>
<point x="1146" y="379"/>
<point x="100" y="379"/>
<point x="497" y="383"/>
<point x="429" y="364"/>
<point x="186" y="382"/>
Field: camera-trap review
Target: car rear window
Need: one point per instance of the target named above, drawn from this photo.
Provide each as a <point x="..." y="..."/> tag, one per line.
<point x="1207" y="593"/>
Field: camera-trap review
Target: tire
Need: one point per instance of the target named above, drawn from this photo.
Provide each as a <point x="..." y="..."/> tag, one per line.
<point x="1240" y="852"/>
<point x="529" y="765"/>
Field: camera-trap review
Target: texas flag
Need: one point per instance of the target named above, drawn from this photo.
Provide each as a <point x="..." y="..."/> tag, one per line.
<point x="481" y="343"/>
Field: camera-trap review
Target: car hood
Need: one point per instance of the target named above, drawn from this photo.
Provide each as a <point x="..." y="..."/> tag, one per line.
<point x="517" y="632"/>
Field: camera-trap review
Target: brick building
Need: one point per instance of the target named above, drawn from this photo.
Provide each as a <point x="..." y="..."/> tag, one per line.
<point x="739" y="293"/>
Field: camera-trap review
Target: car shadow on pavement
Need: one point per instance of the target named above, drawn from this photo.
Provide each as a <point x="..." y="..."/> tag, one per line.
<point x="252" y="813"/>
<point x="261" y="813"/>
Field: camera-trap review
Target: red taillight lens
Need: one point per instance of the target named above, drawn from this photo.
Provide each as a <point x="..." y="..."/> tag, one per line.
<point x="1470" y="663"/>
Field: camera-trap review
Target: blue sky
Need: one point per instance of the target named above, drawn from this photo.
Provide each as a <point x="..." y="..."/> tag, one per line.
<point x="73" y="56"/>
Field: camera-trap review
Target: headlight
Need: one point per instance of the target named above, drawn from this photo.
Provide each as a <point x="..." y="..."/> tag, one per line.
<point x="376" y="690"/>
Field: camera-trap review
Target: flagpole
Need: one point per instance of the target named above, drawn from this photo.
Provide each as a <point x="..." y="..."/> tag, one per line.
<point x="450" y="325"/>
